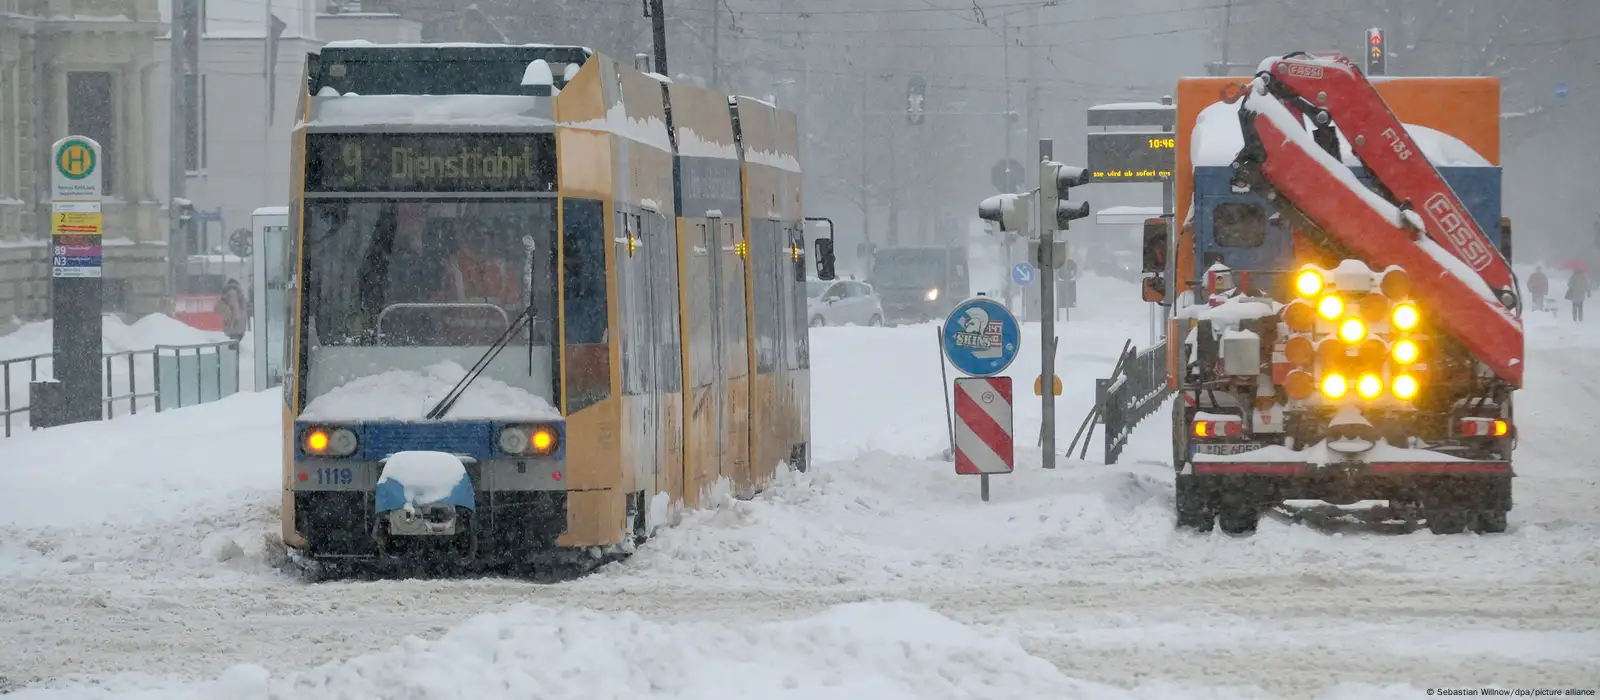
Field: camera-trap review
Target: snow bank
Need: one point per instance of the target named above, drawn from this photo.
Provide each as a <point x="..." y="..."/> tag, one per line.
<point x="403" y="395"/>
<point x="1232" y="311"/>
<point x="152" y="330"/>
<point x="1216" y="140"/>
<point x="484" y="110"/>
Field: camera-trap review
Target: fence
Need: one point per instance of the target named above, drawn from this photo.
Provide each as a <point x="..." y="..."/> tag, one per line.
<point x="1137" y="387"/>
<point x="160" y="378"/>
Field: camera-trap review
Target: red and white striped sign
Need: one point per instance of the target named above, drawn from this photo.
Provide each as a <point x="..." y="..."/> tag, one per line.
<point x="983" y="425"/>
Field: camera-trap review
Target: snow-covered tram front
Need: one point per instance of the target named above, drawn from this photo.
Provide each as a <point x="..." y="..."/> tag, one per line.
<point x="423" y="418"/>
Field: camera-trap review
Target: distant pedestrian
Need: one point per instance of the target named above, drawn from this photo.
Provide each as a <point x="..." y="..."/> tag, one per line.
<point x="1577" y="291"/>
<point x="231" y="307"/>
<point x="1538" y="286"/>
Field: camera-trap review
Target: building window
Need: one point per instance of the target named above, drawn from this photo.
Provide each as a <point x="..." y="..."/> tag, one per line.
<point x="91" y="112"/>
<point x="10" y="122"/>
<point x="194" y="127"/>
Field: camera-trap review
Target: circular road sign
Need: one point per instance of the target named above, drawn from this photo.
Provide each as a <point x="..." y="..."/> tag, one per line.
<point x="981" y="337"/>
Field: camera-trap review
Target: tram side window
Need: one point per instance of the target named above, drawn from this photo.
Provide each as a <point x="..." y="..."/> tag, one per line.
<point x="588" y="379"/>
<point x="663" y="240"/>
<point x="798" y="353"/>
<point x="764" y="237"/>
<point x="633" y="297"/>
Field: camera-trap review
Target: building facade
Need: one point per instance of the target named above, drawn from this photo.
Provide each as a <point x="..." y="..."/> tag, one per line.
<point x="102" y="68"/>
<point x="78" y="67"/>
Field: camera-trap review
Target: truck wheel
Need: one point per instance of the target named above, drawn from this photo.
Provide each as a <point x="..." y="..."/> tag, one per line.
<point x="1490" y="522"/>
<point x="1447" y="518"/>
<point x="1195" y="504"/>
<point x="1239" y="518"/>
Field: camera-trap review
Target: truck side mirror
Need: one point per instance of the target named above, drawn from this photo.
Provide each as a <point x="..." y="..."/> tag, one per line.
<point x="1155" y="245"/>
<point x="825" y="258"/>
<point x="1155" y="289"/>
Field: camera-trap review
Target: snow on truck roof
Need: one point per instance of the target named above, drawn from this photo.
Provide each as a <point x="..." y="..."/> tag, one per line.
<point x="1216" y="139"/>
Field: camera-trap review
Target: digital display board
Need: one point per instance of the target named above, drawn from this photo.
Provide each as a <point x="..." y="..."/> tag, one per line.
<point x="376" y="162"/>
<point x="1129" y="156"/>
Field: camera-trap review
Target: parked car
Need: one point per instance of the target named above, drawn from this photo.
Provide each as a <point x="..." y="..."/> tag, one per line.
<point x="841" y="302"/>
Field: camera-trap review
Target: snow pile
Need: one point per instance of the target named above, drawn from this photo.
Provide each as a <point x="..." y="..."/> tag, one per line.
<point x="1216" y="140"/>
<point x="861" y="651"/>
<point x="404" y="395"/>
<point x="178" y="489"/>
<point x="486" y="110"/>
<point x="147" y="332"/>
<point x="1232" y="311"/>
<point x="649" y="130"/>
<point x="424" y="476"/>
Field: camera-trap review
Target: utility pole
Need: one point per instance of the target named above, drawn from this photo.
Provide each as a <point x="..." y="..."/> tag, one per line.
<point x="716" y="44"/>
<point x="184" y="37"/>
<point x="1056" y="213"/>
<point x="658" y="32"/>
<point x="1009" y="246"/>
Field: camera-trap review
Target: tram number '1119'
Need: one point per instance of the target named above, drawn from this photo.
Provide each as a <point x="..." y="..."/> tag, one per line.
<point x="334" y="476"/>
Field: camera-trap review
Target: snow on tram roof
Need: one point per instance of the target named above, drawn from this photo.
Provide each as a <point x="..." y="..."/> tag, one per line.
<point x="433" y="110"/>
<point x="365" y="44"/>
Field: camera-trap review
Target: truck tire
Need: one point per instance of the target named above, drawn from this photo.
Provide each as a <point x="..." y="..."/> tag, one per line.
<point x="1195" y="504"/>
<point x="1238" y="518"/>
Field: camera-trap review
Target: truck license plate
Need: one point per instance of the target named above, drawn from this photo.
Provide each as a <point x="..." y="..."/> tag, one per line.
<point x="1227" y="448"/>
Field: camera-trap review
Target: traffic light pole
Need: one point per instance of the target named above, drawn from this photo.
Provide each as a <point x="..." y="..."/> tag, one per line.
<point x="1047" y="304"/>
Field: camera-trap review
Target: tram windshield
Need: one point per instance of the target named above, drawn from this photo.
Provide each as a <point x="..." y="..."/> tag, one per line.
<point x="408" y="284"/>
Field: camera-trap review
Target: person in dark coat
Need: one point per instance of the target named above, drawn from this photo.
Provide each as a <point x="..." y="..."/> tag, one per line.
<point x="1539" y="287"/>
<point x="1577" y="291"/>
<point x="231" y="306"/>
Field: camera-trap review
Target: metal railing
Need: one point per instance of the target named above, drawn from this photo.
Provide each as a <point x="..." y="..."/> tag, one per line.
<point x="159" y="378"/>
<point x="1136" y="388"/>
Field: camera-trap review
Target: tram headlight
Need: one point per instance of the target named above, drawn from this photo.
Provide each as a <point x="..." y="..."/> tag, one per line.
<point x="535" y="440"/>
<point x="544" y="440"/>
<point x="513" y="440"/>
<point x="932" y="295"/>
<point x="330" y="442"/>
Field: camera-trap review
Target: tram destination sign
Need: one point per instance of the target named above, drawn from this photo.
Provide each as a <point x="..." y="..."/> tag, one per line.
<point x="481" y="162"/>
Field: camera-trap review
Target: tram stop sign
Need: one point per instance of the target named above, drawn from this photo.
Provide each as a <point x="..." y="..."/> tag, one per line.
<point x="981" y="337"/>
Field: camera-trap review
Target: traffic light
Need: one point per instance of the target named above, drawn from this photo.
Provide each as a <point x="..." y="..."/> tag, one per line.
<point x="1013" y="212"/>
<point x="1377" y="53"/>
<point x="1054" y="181"/>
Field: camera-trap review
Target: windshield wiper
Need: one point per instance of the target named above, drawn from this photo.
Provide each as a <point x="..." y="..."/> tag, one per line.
<point x="449" y="401"/>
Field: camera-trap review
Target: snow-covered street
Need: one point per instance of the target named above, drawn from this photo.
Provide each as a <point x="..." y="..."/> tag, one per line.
<point x="140" y="559"/>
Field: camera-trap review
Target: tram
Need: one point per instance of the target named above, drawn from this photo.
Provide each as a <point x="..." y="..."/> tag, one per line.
<point x="539" y="299"/>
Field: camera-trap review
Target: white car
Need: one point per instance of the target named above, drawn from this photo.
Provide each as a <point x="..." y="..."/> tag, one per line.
<point x="842" y="302"/>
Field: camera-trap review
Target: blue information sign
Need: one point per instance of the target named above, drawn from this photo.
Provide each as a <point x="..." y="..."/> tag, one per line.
<point x="1023" y="273"/>
<point x="1562" y="91"/>
<point x="981" y="337"/>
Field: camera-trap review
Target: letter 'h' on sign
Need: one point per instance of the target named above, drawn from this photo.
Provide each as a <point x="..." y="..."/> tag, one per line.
<point x="983" y="426"/>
